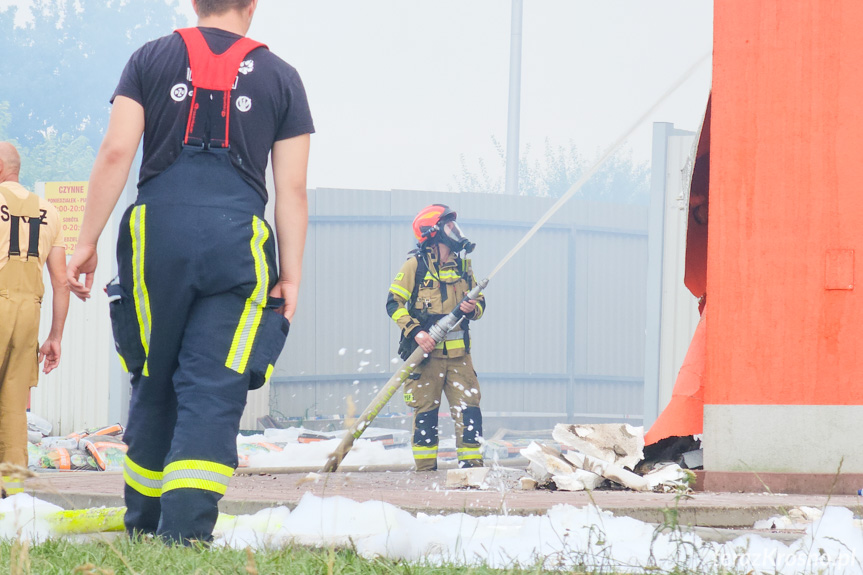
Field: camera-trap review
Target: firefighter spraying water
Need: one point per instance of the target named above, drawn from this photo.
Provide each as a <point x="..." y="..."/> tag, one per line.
<point x="444" y="325"/>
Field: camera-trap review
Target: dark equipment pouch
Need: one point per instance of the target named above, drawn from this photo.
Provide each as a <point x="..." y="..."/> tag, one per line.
<point x="269" y="342"/>
<point x="124" y="324"/>
<point x="407" y="345"/>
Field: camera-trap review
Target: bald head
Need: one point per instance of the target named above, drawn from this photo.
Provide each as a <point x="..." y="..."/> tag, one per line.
<point x="10" y="163"/>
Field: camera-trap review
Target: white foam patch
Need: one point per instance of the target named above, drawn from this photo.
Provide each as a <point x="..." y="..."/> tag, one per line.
<point x="364" y="452"/>
<point x="563" y="539"/>
<point x="27" y="517"/>
<point x="566" y="537"/>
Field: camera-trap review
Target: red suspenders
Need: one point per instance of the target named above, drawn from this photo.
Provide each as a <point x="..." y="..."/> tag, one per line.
<point x="213" y="73"/>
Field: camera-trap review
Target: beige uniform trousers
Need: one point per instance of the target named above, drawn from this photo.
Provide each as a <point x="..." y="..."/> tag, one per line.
<point x="21" y="291"/>
<point x="455" y="378"/>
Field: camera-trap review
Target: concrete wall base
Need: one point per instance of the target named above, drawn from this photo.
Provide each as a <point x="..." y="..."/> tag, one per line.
<point x="817" y="439"/>
<point x="805" y="483"/>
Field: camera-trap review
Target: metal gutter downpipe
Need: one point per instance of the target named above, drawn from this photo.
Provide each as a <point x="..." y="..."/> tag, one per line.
<point x="514" y="114"/>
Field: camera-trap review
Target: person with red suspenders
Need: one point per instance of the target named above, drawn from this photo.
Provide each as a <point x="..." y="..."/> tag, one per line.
<point x="200" y="310"/>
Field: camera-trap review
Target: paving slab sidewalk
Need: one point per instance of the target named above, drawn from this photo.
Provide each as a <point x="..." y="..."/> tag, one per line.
<point x="427" y="493"/>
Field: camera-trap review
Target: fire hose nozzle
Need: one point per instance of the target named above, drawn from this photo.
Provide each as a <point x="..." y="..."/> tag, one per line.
<point x="439" y="330"/>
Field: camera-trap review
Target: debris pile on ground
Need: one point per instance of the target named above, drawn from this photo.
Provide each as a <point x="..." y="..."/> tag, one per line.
<point x="97" y="449"/>
<point x="596" y="456"/>
<point x="684" y="451"/>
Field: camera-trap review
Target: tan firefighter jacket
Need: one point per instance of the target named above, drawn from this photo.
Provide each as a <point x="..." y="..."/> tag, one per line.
<point x="416" y="307"/>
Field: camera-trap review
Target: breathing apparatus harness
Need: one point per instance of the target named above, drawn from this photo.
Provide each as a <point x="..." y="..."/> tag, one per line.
<point x="423" y="254"/>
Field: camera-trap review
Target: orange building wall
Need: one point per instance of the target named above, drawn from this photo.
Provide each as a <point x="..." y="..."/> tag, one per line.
<point x="786" y="204"/>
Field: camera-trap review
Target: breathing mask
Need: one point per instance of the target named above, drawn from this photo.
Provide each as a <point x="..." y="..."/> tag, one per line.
<point x="452" y="236"/>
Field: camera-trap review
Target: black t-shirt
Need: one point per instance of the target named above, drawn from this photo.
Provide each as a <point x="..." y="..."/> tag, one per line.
<point x="269" y="104"/>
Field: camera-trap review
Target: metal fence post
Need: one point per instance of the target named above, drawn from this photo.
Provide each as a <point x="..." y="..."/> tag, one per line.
<point x="655" y="240"/>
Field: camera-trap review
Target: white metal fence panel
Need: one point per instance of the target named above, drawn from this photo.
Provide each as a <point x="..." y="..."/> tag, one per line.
<point x="564" y="332"/>
<point x="76" y="395"/>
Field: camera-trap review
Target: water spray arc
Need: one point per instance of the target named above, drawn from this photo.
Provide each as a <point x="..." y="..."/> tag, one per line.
<point x="440" y="329"/>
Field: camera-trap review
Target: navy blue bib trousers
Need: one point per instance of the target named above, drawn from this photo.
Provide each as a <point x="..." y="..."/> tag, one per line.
<point x="195" y="328"/>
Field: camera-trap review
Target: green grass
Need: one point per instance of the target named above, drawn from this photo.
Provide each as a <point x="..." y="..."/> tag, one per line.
<point x="123" y="556"/>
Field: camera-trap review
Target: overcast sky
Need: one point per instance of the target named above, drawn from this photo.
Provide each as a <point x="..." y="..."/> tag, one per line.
<point x="400" y="90"/>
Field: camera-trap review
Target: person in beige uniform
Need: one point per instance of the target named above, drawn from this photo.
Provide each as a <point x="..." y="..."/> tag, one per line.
<point x="430" y="285"/>
<point x="29" y="237"/>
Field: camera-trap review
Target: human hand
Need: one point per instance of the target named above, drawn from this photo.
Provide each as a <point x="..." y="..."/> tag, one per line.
<point x="50" y="353"/>
<point x="467" y="306"/>
<point x="83" y="261"/>
<point x="289" y="292"/>
<point x="425" y="341"/>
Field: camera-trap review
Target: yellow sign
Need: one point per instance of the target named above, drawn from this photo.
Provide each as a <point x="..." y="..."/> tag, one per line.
<point x="69" y="199"/>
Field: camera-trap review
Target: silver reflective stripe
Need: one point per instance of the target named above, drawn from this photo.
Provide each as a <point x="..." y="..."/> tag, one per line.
<point x="196" y="474"/>
<point x="455" y="335"/>
<point x="140" y="479"/>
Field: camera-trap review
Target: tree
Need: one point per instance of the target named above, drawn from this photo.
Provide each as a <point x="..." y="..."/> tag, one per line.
<point x="618" y="180"/>
<point x="61" y="68"/>
<point x="65" y="62"/>
<point x="5" y="119"/>
<point x="54" y="157"/>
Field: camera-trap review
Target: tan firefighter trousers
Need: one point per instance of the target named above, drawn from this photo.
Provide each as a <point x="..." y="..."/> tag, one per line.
<point x="21" y="291"/>
<point x="455" y="378"/>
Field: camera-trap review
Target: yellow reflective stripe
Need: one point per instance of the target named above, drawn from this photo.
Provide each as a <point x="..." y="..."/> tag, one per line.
<point x="123" y="363"/>
<point x="451" y="344"/>
<point x="145" y="473"/>
<point x="144" y="481"/>
<point x="269" y="373"/>
<point x="399" y="290"/>
<point x="444" y="275"/>
<point x="195" y="483"/>
<point x="469" y="453"/>
<point x="425" y="452"/>
<point x="141" y="488"/>
<point x="138" y="231"/>
<point x="463" y="456"/>
<point x="197" y="474"/>
<point x="399" y="313"/>
<point x="12" y="486"/>
<point x="199" y="465"/>
<point x="425" y="455"/>
<point x="244" y="336"/>
<point x="478" y="309"/>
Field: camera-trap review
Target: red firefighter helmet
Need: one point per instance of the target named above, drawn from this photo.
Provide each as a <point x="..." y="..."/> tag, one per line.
<point x="427" y="222"/>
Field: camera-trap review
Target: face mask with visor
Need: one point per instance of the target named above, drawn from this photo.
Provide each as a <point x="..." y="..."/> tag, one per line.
<point x="452" y="237"/>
